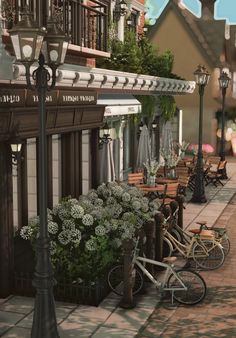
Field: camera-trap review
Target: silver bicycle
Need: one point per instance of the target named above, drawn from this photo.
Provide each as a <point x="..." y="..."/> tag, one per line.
<point x="185" y="286"/>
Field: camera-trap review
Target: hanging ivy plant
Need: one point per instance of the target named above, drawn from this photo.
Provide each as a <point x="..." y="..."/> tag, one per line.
<point x="168" y="107"/>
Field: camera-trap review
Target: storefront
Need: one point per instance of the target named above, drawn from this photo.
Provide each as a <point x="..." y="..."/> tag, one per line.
<point x="119" y="113"/>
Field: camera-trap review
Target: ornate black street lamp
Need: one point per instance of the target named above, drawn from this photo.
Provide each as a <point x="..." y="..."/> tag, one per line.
<point x="224" y="81"/>
<point x="28" y="40"/>
<point x="202" y="77"/>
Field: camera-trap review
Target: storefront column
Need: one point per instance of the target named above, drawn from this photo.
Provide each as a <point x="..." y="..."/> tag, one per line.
<point x="6" y="221"/>
<point x="95" y="157"/>
<point x="121" y="150"/>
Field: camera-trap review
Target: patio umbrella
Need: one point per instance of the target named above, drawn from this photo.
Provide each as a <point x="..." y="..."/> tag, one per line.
<point x="144" y="148"/>
<point x="107" y="169"/>
<point x="167" y="144"/>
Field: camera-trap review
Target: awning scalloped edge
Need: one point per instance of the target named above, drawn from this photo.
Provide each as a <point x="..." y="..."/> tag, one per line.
<point x="109" y="80"/>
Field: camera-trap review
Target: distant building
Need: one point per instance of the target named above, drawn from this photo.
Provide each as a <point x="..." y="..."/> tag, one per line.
<point x="196" y="41"/>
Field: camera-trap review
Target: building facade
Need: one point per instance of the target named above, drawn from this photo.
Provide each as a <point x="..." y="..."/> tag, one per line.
<point x="195" y="41"/>
<point x="74" y="116"/>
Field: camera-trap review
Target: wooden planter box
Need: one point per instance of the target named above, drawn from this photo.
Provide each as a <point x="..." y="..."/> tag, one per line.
<point x="88" y="293"/>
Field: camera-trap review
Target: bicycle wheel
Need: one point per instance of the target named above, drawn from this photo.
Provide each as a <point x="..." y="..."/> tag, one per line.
<point x="208" y="255"/>
<point x="115" y="280"/>
<point x="167" y="247"/>
<point x="195" y="284"/>
<point x="175" y="233"/>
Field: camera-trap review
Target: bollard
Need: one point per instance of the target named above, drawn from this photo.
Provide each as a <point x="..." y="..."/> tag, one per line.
<point x="159" y="220"/>
<point x="149" y="228"/>
<point x="127" y="301"/>
<point x="180" y="199"/>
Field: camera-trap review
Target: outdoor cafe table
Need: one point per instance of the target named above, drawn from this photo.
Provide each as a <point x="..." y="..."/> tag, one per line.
<point x="166" y="180"/>
<point x="147" y="188"/>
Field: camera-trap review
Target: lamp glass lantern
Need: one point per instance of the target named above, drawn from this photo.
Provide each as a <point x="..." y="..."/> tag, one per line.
<point x="202" y="76"/>
<point x="140" y="126"/>
<point x="27" y="39"/>
<point x="16" y="145"/>
<point x="106" y="130"/>
<point x="155" y="122"/>
<point x="122" y="7"/>
<point x="55" y="45"/>
<point x="224" y="80"/>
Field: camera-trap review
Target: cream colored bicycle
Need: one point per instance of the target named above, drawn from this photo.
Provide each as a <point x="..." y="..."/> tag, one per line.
<point x="203" y="248"/>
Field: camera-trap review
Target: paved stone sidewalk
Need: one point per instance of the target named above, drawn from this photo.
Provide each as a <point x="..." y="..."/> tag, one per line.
<point x="215" y="317"/>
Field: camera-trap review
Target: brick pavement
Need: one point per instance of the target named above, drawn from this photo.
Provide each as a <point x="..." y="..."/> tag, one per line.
<point x="216" y="315"/>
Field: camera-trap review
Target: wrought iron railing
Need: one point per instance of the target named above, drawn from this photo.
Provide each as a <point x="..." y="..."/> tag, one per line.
<point x="87" y="24"/>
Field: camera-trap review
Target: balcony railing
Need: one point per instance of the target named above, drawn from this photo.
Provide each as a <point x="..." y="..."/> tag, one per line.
<point x="87" y="24"/>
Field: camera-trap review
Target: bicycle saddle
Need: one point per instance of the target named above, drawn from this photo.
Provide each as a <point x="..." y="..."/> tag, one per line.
<point x="169" y="260"/>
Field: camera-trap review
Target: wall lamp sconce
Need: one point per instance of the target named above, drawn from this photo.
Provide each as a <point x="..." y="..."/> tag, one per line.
<point x="140" y="126"/>
<point x="155" y="122"/>
<point x="16" y="145"/>
<point x="129" y="22"/>
<point x="121" y="9"/>
<point x="106" y="135"/>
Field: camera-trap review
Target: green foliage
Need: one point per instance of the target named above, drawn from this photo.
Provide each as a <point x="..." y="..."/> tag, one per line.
<point x="148" y="105"/>
<point x="142" y="58"/>
<point x="168" y="107"/>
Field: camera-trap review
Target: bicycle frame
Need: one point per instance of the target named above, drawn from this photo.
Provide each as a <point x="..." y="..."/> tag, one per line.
<point x="168" y="271"/>
<point x="185" y="250"/>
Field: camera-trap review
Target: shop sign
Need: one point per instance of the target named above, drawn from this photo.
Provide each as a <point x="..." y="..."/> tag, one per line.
<point x="69" y="97"/>
<point x="23" y="97"/>
<point x="14" y="98"/>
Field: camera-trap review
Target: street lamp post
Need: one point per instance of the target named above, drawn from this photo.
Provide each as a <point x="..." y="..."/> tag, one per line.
<point x="28" y="40"/>
<point x="224" y="81"/>
<point x="202" y="77"/>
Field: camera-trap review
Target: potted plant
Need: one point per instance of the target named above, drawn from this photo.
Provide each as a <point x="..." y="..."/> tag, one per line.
<point x="86" y="234"/>
<point x="151" y="167"/>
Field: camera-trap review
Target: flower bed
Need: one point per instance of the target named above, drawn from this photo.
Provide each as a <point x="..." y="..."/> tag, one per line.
<point x="86" y="234"/>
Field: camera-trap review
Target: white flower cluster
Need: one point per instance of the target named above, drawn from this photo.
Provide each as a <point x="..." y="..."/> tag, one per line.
<point x="26" y="232"/>
<point x="113" y="212"/>
<point x="87" y="220"/>
<point x="77" y="211"/>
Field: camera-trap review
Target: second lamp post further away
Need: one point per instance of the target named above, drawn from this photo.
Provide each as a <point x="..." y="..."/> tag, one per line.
<point x="202" y="77"/>
<point x="224" y="81"/>
<point x="27" y="39"/>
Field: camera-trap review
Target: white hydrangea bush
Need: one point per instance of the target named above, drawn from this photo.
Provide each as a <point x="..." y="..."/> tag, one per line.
<point x="86" y="234"/>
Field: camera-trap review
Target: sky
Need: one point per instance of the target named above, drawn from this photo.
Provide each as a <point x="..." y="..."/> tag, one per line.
<point x="224" y="9"/>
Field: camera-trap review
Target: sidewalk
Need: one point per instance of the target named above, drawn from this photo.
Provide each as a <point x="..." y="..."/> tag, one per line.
<point x="150" y="318"/>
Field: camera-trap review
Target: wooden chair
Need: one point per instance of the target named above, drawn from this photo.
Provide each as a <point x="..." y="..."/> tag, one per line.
<point x="135" y="178"/>
<point x="183" y="181"/>
<point x="215" y="176"/>
<point x="170" y="194"/>
<point x="182" y="171"/>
